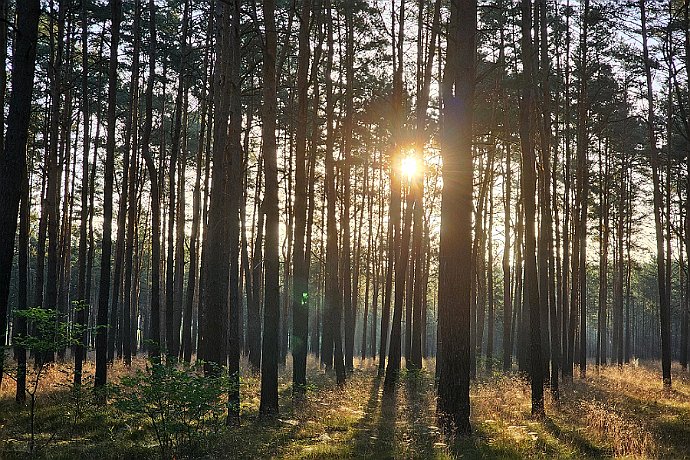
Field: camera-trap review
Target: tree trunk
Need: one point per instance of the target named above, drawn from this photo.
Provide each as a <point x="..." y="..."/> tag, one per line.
<point x="106" y="248"/>
<point x="132" y="192"/>
<point x="188" y="338"/>
<point x="348" y="127"/>
<point x="82" y="298"/>
<point x="686" y="306"/>
<point x="300" y="290"/>
<point x="53" y="163"/>
<point x="332" y="341"/>
<point x="664" y="307"/>
<point x="13" y="158"/>
<point x="154" y="321"/>
<point x="270" y="346"/>
<point x="529" y="183"/>
<point x="453" y="404"/>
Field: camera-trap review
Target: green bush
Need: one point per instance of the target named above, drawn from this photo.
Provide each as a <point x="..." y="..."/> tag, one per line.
<point x="183" y="406"/>
<point x="50" y="333"/>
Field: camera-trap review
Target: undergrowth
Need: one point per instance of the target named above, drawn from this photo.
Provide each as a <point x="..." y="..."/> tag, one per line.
<point x="613" y="413"/>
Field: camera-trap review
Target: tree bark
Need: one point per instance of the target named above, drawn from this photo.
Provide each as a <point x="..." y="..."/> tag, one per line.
<point x="154" y="322"/>
<point x="453" y="404"/>
<point x="664" y="307"/>
<point x="13" y="157"/>
<point x="106" y="248"/>
<point x="529" y="183"/>
<point x="82" y="298"/>
<point x="300" y="273"/>
<point x="270" y="347"/>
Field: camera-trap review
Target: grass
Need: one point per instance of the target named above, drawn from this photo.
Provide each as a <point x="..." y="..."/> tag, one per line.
<point x="613" y="413"/>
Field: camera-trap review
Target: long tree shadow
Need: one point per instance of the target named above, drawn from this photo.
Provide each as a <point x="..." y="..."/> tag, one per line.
<point x="423" y="434"/>
<point x="366" y="434"/>
<point x="376" y="431"/>
<point x="384" y="446"/>
<point x="663" y="417"/>
<point x="585" y="448"/>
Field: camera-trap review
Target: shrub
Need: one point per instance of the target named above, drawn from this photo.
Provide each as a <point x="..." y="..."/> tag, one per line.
<point x="50" y="334"/>
<point x="183" y="406"/>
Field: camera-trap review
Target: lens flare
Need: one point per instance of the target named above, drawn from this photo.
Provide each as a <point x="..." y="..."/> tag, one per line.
<point x="409" y="167"/>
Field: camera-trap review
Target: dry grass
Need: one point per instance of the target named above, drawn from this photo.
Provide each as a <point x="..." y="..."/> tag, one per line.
<point x="614" y="413"/>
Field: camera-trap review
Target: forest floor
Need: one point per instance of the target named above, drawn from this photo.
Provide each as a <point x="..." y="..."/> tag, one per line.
<point x="612" y="413"/>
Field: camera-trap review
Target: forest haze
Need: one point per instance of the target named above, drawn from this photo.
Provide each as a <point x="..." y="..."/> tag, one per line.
<point x="344" y="228"/>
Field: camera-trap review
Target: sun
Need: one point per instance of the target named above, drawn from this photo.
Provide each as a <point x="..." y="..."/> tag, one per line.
<point x="409" y="167"/>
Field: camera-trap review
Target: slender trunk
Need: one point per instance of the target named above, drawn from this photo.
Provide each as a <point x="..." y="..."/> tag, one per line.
<point x="368" y="192"/>
<point x="300" y="290"/>
<point x="664" y="308"/>
<point x="507" y="303"/>
<point x="53" y="161"/>
<point x="579" y="285"/>
<point x="20" y="329"/>
<point x="686" y="306"/>
<point x="490" y="281"/>
<point x="315" y="138"/>
<point x="106" y="248"/>
<point x="529" y="183"/>
<point x="188" y="338"/>
<point x="401" y="263"/>
<point x="348" y="127"/>
<point x="132" y="192"/>
<point x="82" y="297"/>
<point x="333" y="349"/>
<point x="154" y="321"/>
<point x="270" y="346"/>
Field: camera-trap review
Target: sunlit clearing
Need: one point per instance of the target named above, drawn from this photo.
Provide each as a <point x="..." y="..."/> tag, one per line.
<point x="409" y="167"/>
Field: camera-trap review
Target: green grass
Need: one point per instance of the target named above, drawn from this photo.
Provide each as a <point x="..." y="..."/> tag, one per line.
<point x="613" y="413"/>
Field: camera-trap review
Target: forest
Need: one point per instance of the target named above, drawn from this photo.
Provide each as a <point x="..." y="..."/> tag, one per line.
<point x="344" y="229"/>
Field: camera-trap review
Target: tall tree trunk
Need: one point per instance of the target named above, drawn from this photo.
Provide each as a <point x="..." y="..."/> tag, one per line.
<point x="686" y="306"/>
<point x="116" y="323"/>
<point x="507" y="303"/>
<point x="53" y="163"/>
<point x="254" y="311"/>
<point x="332" y="349"/>
<point x="664" y="307"/>
<point x="348" y="128"/>
<point x="453" y="404"/>
<point x="20" y="330"/>
<point x="300" y="290"/>
<point x="603" y="261"/>
<point x="400" y="265"/>
<point x="546" y="231"/>
<point x="579" y="286"/>
<point x="154" y="321"/>
<point x="106" y="248"/>
<point x="368" y="192"/>
<point x="529" y="183"/>
<point x="315" y="138"/>
<point x="188" y="338"/>
<point x="490" y="279"/>
<point x="132" y="142"/>
<point x="90" y="256"/>
<point x="620" y="269"/>
<point x="270" y="346"/>
<point x="401" y="262"/>
<point x="13" y="157"/>
<point x="82" y="298"/>
<point x="233" y="190"/>
<point x="175" y="257"/>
